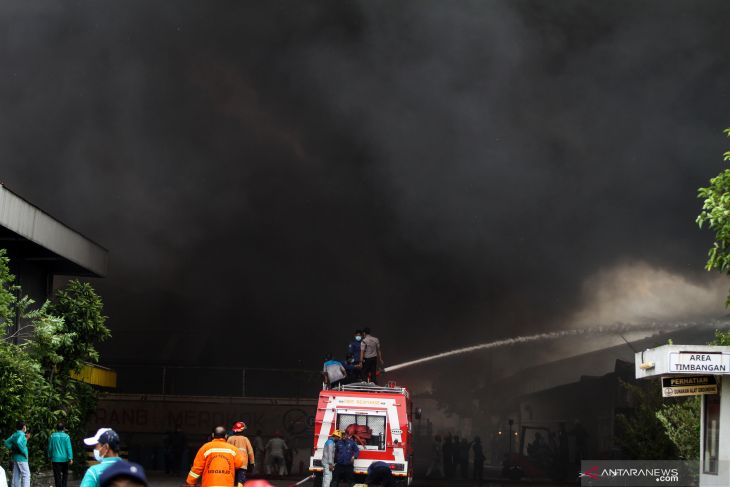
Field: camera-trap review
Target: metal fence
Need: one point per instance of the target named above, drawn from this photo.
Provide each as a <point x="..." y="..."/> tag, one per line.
<point x="217" y="381"/>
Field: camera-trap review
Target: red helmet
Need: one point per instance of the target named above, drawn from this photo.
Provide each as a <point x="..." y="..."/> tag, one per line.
<point x="239" y="426"/>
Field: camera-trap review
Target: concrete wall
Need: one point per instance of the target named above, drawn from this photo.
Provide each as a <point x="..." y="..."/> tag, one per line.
<point x="144" y="420"/>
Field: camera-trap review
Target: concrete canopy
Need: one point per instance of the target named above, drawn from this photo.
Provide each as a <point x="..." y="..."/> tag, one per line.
<point x="29" y="231"/>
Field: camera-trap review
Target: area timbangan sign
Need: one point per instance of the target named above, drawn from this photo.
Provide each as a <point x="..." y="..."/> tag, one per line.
<point x="708" y="362"/>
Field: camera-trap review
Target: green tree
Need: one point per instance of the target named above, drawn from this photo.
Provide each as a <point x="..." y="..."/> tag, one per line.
<point x="48" y="338"/>
<point x="639" y="433"/>
<point x="681" y="423"/>
<point x="35" y="374"/>
<point x="715" y="215"/>
<point x="7" y="292"/>
<point x="721" y="338"/>
<point x="82" y="311"/>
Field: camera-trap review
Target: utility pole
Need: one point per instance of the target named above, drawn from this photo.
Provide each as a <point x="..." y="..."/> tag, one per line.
<point x="510" y="423"/>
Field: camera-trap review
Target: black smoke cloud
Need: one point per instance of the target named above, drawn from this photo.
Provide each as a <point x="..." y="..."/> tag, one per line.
<point x="269" y="175"/>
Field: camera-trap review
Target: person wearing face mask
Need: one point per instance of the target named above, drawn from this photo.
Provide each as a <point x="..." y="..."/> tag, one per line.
<point x="353" y="358"/>
<point x="106" y="452"/>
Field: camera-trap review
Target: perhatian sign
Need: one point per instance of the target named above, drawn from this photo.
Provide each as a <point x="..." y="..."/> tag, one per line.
<point x="689" y="385"/>
<point x="694" y="362"/>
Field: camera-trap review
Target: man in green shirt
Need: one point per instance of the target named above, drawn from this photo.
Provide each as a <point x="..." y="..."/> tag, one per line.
<point x="106" y="452"/>
<point x="17" y="443"/>
<point x="60" y="455"/>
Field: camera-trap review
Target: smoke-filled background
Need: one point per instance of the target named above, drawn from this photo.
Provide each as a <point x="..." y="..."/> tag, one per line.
<point x="270" y="175"/>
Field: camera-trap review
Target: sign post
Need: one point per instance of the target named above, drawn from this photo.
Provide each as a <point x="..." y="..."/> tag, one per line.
<point x="690" y="370"/>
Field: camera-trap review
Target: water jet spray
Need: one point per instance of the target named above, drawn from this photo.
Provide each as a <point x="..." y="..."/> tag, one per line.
<point x="600" y="330"/>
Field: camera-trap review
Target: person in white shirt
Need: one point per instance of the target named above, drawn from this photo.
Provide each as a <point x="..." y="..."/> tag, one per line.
<point x="370" y="356"/>
<point x="275" y="455"/>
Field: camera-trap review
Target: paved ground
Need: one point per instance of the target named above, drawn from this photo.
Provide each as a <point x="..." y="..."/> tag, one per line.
<point x="166" y="481"/>
<point x="160" y="480"/>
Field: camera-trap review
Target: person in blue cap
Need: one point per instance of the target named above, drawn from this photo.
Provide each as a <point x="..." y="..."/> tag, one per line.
<point x="106" y="452"/>
<point x="379" y="474"/>
<point x="123" y="474"/>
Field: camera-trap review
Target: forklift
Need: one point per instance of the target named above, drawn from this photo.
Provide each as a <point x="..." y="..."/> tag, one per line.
<point x="540" y="455"/>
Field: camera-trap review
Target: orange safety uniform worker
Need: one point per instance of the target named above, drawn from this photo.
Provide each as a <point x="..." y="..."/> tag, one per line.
<point x="243" y="444"/>
<point x="216" y="462"/>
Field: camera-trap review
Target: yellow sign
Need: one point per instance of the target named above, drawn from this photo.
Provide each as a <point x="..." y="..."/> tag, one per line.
<point x="689" y="385"/>
<point x="95" y="375"/>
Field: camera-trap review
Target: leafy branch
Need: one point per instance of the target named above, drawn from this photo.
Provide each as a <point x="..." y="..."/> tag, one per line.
<point x="715" y="215"/>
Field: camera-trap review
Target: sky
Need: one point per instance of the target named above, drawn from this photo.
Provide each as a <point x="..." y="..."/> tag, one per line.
<point x="268" y="176"/>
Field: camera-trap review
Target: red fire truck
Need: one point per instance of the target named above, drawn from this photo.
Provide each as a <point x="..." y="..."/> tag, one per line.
<point x="380" y="417"/>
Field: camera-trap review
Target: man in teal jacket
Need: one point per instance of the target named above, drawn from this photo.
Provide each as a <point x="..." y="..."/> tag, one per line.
<point x="106" y="445"/>
<point x="17" y="443"/>
<point x="60" y="455"/>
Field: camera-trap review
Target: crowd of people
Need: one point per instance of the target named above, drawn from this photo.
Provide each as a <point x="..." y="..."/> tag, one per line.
<point x="109" y="471"/>
<point x="450" y="458"/>
<point x="338" y="463"/>
<point x="210" y="466"/>
<point x="274" y="456"/>
<point x="363" y="360"/>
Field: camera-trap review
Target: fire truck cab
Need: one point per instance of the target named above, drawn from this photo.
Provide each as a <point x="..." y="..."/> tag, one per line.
<point x="381" y="418"/>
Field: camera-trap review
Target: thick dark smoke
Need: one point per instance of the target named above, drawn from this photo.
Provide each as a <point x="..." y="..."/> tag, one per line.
<point x="269" y="175"/>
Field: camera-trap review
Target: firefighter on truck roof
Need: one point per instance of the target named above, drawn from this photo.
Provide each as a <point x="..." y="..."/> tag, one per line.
<point x="216" y="462"/>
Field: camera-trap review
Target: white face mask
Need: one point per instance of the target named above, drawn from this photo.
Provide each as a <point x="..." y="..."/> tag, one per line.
<point x="97" y="455"/>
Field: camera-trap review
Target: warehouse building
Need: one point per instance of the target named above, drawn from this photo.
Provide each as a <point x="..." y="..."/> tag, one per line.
<point x="43" y="250"/>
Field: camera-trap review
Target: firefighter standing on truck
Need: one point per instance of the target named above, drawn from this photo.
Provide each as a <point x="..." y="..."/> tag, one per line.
<point x="216" y="462"/>
<point x="370" y="356"/>
<point x="244" y="446"/>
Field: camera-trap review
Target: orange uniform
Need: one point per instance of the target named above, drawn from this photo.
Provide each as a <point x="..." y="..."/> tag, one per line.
<point x="244" y="446"/>
<point x="216" y="462"/>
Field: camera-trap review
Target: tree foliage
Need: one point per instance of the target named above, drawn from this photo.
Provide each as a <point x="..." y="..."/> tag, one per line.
<point x="721" y="338"/>
<point x="35" y="374"/>
<point x="7" y="292"/>
<point x="639" y="433"/>
<point x="84" y="323"/>
<point x="681" y="422"/>
<point x="715" y="215"/>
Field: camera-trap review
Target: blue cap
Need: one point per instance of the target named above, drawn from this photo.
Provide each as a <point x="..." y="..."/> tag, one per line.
<point x="123" y="468"/>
